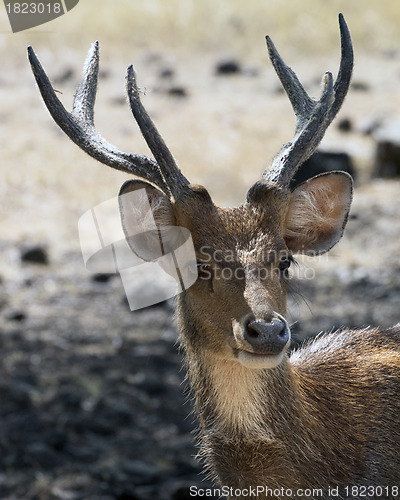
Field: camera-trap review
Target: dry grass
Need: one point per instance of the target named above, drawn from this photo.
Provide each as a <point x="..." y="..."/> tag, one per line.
<point x="223" y="134"/>
<point x="207" y="25"/>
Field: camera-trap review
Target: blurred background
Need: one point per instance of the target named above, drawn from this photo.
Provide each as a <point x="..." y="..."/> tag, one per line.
<point x="92" y="396"/>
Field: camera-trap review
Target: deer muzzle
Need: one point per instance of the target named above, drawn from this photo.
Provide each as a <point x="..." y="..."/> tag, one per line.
<point x="263" y="343"/>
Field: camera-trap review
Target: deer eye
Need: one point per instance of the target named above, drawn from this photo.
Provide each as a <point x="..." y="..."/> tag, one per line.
<point x="284" y="265"/>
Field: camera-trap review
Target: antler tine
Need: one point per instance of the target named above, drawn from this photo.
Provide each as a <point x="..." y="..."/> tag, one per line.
<point x="312" y="117"/>
<point x="170" y="172"/>
<point x="79" y="126"/>
<point x="346" y="66"/>
<point x="85" y="97"/>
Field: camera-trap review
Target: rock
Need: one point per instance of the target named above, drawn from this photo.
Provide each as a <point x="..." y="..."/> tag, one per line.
<point x="345" y="125"/>
<point x="35" y="255"/>
<point x="321" y="162"/>
<point x="228" y="67"/>
<point x="102" y="277"/>
<point x="16" y="316"/>
<point x="360" y="86"/>
<point x="387" y="152"/>
<point x="177" y="91"/>
<point x="387" y="160"/>
<point x="166" y="73"/>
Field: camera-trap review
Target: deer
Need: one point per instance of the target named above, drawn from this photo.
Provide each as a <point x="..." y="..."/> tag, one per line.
<point x="324" y="415"/>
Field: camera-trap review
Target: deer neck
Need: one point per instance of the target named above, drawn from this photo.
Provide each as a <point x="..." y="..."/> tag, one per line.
<point x="235" y="400"/>
<point x="245" y="400"/>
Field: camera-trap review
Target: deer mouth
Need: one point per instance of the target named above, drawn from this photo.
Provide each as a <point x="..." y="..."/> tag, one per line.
<point x="259" y="360"/>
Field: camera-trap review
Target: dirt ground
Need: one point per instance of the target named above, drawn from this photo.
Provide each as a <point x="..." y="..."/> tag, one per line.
<point x="92" y="396"/>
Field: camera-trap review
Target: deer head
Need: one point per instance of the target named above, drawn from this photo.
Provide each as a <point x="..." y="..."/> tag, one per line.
<point x="236" y="309"/>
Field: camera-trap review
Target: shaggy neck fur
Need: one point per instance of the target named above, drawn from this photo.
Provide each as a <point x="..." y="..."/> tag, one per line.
<point x="301" y="423"/>
<point x="246" y="417"/>
<point x="237" y="400"/>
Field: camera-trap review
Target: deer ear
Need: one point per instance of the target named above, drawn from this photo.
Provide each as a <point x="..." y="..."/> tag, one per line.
<point x="317" y="213"/>
<point x="146" y="217"/>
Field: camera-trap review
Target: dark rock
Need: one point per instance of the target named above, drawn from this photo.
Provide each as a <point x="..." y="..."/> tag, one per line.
<point x="345" y="125"/>
<point x="387" y="153"/>
<point x="35" y="255"/>
<point x="16" y="316"/>
<point x="177" y="92"/>
<point x="321" y="162"/>
<point x="360" y="86"/>
<point x="166" y="73"/>
<point x="387" y="160"/>
<point x="228" y="67"/>
<point x="102" y="277"/>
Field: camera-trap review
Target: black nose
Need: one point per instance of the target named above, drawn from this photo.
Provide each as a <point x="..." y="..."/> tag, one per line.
<point x="267" y="337"/>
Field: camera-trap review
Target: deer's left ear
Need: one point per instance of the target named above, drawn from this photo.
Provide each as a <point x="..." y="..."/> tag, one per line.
<point x="147" y="219"/>
<point x="317" y="213"/>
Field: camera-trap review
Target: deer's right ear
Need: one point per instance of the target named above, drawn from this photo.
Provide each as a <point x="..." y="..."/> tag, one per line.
<point x="318" y="212"/>
<point x="145" y="211"/>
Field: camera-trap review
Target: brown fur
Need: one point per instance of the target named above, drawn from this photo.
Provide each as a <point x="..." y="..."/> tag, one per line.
<point x="328" y="415"/>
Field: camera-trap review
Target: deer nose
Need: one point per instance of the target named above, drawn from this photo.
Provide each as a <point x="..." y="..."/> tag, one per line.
<point x="267" y="337"/>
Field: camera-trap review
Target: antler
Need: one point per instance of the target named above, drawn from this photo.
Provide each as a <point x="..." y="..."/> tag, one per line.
<point x="79" y="126"/>
<point x="312" y="117"/>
